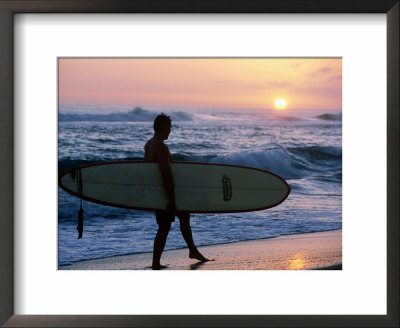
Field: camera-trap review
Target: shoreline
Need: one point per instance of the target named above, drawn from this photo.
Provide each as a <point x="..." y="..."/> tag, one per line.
<point x="308" y="251"/>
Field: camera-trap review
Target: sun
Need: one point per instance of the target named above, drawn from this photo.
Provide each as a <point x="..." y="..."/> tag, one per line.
<point x="280" y="103"/>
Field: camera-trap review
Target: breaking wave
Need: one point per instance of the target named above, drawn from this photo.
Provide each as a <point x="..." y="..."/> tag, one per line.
<point x="138" y="114"/>
<point x="330" y="117"/>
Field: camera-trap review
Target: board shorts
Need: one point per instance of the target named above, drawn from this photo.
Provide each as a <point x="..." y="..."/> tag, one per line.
<point x="165" y="217"/>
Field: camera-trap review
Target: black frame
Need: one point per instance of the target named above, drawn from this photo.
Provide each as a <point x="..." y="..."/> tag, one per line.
<point x="7" y="10"/>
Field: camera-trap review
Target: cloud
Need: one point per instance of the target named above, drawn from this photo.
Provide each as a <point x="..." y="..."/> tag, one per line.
<point x="225" y="82"/>
<point x="320" y="72"/>
<point x="311" y="92"/>
<point x="269" y="85"/>
<point x="295" y="65"/>
<point x="279" y="84"/>
<point x="336" y="78"/>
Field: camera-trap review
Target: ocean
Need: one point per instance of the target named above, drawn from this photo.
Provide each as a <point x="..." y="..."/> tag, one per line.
<point x="304" y="147"/>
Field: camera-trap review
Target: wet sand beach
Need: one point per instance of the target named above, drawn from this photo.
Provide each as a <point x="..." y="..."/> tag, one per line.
<point x="318" y="250"/>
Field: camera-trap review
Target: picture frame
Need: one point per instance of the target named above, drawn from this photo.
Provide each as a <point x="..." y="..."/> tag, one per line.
<point x="9" y="8"/>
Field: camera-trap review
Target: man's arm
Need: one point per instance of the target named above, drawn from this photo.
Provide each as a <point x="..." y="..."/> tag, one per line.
<point x="167" y="177"/>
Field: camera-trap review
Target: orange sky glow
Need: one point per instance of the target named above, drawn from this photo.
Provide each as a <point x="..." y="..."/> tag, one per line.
<point x="312" y="83"/>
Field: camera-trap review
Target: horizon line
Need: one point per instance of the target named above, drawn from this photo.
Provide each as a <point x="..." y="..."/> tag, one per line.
<point x="197" y="108"/>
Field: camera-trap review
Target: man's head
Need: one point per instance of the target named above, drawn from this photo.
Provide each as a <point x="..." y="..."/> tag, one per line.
<point x="162" y="125"/>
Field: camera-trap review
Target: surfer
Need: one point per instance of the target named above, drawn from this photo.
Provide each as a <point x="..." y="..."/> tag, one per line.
<point x="157" y="151"/>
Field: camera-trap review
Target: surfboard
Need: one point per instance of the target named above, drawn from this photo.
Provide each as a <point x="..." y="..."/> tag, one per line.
<point x="199" y="187"/>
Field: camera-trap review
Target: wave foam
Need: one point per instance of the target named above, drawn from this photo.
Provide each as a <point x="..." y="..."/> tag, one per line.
<point x="291" y="163"/>
<point x="138" y="114"/>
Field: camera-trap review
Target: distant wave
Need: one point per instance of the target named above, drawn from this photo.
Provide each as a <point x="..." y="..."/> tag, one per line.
<point x="138" y="114"/>
<point x="330" y="117"/>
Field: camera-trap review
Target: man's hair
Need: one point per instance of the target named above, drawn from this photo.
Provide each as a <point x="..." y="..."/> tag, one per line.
<point x="161" y="121"/>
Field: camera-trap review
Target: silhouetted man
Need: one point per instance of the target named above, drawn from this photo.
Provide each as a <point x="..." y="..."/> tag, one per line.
<point x="157" y="151"/>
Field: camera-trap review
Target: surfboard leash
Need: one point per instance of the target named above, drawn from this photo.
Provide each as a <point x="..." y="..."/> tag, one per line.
<point x="80" y="212"/>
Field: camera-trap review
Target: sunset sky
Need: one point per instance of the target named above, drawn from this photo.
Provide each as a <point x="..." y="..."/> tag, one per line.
<point x="202" y="83"/>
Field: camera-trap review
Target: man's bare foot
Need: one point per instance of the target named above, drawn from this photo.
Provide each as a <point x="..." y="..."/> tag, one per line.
<point x="197" y="255"/>
<point x="158" y="267"/>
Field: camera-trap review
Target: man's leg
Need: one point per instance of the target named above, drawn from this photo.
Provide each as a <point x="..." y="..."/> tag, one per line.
<point x="186" y="231"/>
<point x="159" y="243"/>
